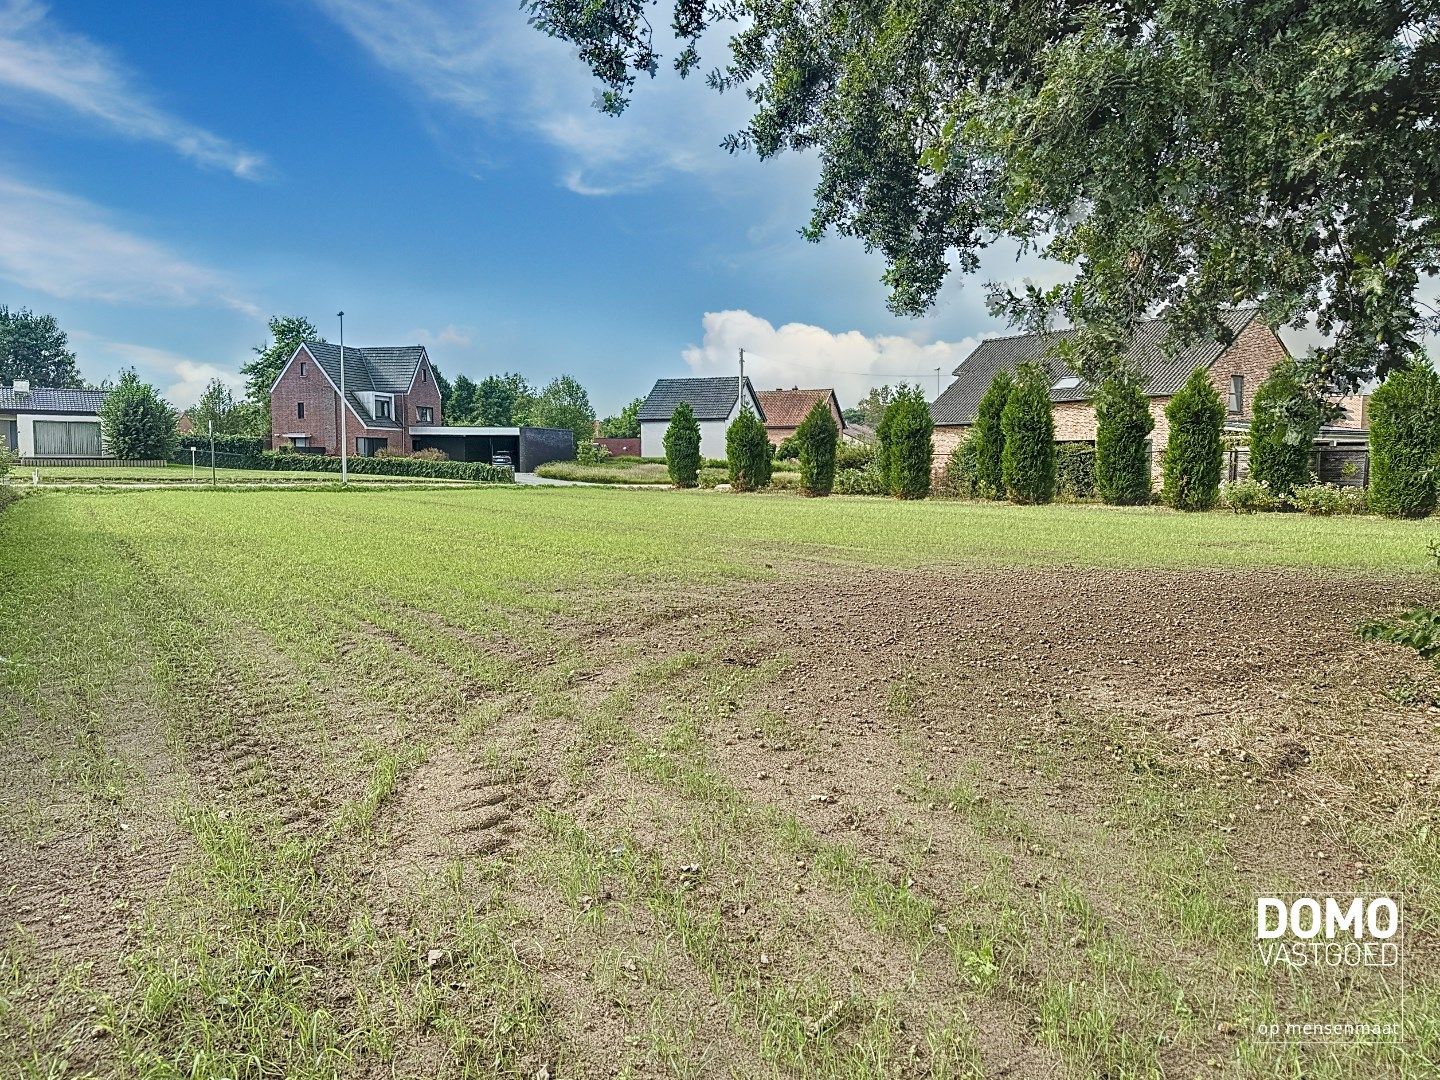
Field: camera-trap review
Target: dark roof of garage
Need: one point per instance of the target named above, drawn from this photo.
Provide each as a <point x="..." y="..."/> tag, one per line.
<point x="44" y="400"/>
<point x="711" y="398"/>
<point x="1164" y="372"/>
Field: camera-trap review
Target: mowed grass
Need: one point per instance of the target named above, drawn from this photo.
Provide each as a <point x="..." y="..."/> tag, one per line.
<point x="565" y="535"/>
<point x="278" y="681"/>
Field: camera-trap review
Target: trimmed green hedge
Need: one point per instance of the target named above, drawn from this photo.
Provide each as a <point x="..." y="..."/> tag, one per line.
<point x="231" y="451"/>
<point x="278" y="460"/>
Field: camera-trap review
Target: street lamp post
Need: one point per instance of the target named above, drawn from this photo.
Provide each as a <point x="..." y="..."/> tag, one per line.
<point x="344" y="449"/>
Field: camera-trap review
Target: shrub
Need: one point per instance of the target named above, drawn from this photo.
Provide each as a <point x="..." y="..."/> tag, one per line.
<point x="1405" y="443"/>
<point x="428" y="454"/>
<point x="748" y="452"/>
<point x="682" y="447"/>
<point x="231" y="451"/>
<point x="1194" y="453"/>
<point x="1325" y="500"/>
<point x="817" y="438"/>
<point x="867" y="481"/>
<point x="135" y="422"/>
<point x="990" y="438"/>
<point x="1027" y="459"/>
<point x="1075" y="470"/>
<point x="1418" y="628"/>
<point x="907" y="451"/>
<point x="1248" y="497"/>
<point x="591" y="453"/>
<point x="853" y="455"/>
<point x="961" y="478"/>
<point x="1122" y="459"/>
<point x="1287" y="418"/>
<point x="8" y="460"/>
<point x="388" y="466"/>
<point x="789" y="448"/>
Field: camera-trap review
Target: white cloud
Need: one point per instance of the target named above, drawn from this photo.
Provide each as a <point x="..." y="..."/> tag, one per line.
<point x="181" y="379"/>
<point x="450" y="334"/>
<point x="798" y="354"/>
<point x="64" y="246"/>
<point x="483" y="62"/>
<point x="40" y="64"/>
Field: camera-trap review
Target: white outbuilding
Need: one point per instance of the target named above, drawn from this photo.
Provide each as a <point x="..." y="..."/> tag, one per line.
<point x="716" y="401"/>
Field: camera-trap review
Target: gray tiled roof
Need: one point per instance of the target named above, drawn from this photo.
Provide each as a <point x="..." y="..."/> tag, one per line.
<point x="384" y="369"/>
<point x="712" y="398"/>
<point x="1164" y="373"/>
<point x="42" y="400"/>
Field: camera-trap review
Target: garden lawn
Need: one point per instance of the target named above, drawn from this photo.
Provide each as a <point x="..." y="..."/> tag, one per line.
<point x="574" y="781"/>
<point x="182" y="474"/>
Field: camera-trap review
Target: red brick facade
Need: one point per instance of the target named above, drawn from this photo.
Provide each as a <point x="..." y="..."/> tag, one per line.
<point x="1250" y="356"/>
<point x="304" y="382"/>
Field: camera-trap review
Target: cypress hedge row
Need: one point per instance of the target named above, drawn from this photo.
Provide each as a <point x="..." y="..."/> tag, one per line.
<point x="1194" y="454"/>
<point x="748" y="453"/>
<point x="817" y="437"/>
<point x="1405" y="443"/>
<point x="1123" y="424"/>
<point x="1027" y="459"/>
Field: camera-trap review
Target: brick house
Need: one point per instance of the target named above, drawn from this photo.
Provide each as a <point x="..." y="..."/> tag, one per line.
<point x="785" y="410"/>
<point x="1236" y="368"/>
<point x="389" y="391"/>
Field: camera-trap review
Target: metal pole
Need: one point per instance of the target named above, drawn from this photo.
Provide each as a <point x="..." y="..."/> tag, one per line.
<point x="741" y="393"/>
<point x="212" y="453"/>
<point x="344" y="438"/>
<point x="192" y="463"/>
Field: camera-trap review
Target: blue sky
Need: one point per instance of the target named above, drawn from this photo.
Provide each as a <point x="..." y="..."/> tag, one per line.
<point x="170" y="174"/>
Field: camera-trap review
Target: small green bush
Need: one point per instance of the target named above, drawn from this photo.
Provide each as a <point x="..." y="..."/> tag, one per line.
<point x="393" y="466"/>
<point x="1248" y="497"/>
<point x="1405" y="443"/>
<point x="1075" y="471"/>
<point x="136" y="423"/>
<point x="1418" y="629"/>
<point x="1326" y="500"/>
<point x="682" y="447"/>
<point x="1027" y="460"/>
<point x="817" y="438"/>
<point x="1194" y="453"/>
<point x="1282" y="433"/>
<point x="588" y="452"/>
<point x="990" y="437"/>
<point x="748" y="452"/>
<point x="789" y="448"/>
<point x="867" y="481"/>
<point x="853" y="455"/>
<point x="1122" y="457"/>
<point x="907" y="449"/>
<point x="231" y="451"/>
<point x="961" y="478"/>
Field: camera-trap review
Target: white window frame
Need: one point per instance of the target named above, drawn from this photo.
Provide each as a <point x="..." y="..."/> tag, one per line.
<point x="389" y="413"/>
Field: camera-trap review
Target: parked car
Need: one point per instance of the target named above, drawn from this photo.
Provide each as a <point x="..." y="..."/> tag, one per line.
<point x="502" y="457"/>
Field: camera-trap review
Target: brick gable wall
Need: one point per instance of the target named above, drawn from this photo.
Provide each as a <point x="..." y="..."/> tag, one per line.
<point x="322" y="410"/>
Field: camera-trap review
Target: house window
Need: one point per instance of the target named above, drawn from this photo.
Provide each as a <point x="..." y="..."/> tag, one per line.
<point x="300" y="410"/>
<point x="382" y="408"/>
<point x="64" y="438"/>
<point x="1237" y="393"/>
<point x="300" y="440"/>
<point x="424" y="374"/>
<point x="303" y="372"/>
<point x="368" y="447"/>
<point x="424" y="414"/>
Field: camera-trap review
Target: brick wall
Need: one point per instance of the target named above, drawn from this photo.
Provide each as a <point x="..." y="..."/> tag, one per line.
<point x="322" y="410"/>
<point x="1251" y="355"/>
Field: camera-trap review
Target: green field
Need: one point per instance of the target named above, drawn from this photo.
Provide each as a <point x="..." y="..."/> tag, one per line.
<point x="496" y="781"/>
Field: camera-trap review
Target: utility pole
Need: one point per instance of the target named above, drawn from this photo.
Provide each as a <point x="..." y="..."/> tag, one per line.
<point x="344" y="449"/>
<point x="937" y="382"/>
<point x="212" y="453"/>
<point x="740" y="397"/>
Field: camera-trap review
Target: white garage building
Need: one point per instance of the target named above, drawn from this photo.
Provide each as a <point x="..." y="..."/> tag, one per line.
<point x="44" y="423"/>
<point x="716" y="401"/>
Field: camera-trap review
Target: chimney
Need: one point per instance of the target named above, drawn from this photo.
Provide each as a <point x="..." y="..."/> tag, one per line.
<point x="22" y="386"/>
